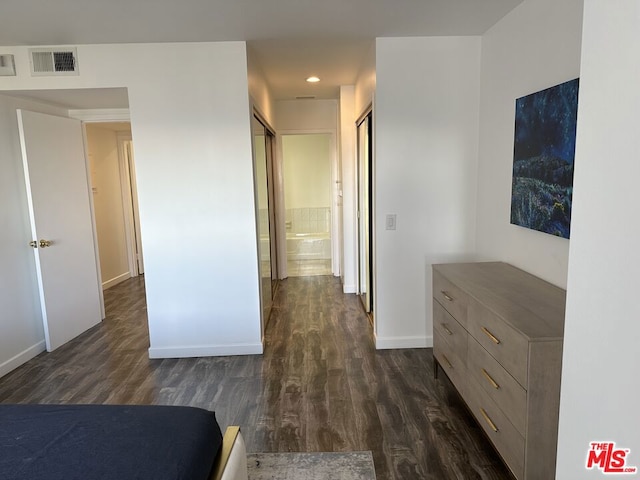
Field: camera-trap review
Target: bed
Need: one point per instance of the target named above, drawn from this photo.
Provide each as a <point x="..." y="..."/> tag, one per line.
<point x="117" y="442"/>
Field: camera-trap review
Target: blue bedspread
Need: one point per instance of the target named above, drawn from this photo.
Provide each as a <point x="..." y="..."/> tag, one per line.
<point x="107" y="442"/>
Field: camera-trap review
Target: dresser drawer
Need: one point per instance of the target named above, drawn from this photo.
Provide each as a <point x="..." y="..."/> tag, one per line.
<point x="452" y="365"/>
<point x="504" y="343"/>
<point x="450" y="330"/>
<point x="450" y="297"/>
<point x="512" y="358"/>
<point x="503" y="435"/>
<point x="508" y="395"/>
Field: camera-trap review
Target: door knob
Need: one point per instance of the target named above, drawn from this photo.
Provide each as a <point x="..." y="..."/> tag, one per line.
<point x="33" y="244"/>
<point x="45" y="243"/>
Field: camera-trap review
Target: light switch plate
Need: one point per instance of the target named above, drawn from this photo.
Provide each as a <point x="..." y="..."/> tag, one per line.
<point x="390" y="223"/>
<point x="7" y="66"/>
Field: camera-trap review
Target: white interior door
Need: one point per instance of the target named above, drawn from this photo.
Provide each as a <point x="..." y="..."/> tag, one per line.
<point x="62" y="225"/>
<point x="134" y="204"/>
<point x="129" y="189"/>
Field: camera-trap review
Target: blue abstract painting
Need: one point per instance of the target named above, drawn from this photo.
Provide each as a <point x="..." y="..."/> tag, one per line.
<point x="543" y="157"/>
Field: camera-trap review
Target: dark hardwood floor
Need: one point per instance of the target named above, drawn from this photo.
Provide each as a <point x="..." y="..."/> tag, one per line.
<point x="320" y="386"/>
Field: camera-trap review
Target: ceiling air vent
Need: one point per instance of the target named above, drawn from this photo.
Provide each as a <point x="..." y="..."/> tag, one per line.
<point x="53" y="61"/>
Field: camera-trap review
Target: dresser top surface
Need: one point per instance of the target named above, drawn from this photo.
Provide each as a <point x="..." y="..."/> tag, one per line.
<point x="529" y="304"/>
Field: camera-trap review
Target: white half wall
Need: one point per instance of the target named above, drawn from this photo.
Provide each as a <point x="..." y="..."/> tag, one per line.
<point x="600" y="384"/>
<point x="195" y="184"/>
<point x="518" y="60"/>
<point x="426" y="137"/>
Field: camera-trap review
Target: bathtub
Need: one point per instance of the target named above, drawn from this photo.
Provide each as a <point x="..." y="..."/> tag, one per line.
<point x="309" y="246"/>
<point x="301" y="246"/>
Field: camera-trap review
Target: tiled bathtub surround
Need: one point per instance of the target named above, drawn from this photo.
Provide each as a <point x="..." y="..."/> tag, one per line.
<point x="308" y="240"/>
<point x="301" y="220"/>
<point x="308" y="220"/>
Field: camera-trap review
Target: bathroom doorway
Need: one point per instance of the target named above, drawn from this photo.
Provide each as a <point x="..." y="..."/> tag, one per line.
<point x="307" y="172"/>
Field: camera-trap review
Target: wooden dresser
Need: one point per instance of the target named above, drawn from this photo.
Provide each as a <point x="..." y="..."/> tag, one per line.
<point x="497" y="334"/>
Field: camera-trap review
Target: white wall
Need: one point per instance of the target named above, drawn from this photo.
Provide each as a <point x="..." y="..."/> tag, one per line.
<point x="517" y="60"/>
<point x="306" y="115"/>
<point x="259" y="90"/>
<point x="195" y="186"/>
<point x="365" y="86"/>
<point x="262" y="101"/>
<point x="347" y="203"/>
<point x="354" y="101"/>
<point x="21" y="330"/>
<point x="600" y="385"/>
<point x="426" y="136"/>
<point x="307" y="170"/>
<point x="104" y="162"/>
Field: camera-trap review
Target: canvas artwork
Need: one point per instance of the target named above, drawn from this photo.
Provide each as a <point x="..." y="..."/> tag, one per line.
<point x="543" y="156"/>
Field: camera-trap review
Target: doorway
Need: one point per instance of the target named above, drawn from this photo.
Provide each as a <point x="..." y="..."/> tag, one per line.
<point x="115" y="201"/>
<point x="365" y="211"/>
<point x="61" y="224"/>
<point x="307" y="171"/>
<point x="63" y="238"/>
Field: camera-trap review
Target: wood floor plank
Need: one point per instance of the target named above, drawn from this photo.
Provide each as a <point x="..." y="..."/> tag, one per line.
<point x="319" y="386"/>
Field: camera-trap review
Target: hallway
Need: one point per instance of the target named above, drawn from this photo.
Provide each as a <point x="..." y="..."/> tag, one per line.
<point x="320" y="386"/>
<point x="308" y="268"/>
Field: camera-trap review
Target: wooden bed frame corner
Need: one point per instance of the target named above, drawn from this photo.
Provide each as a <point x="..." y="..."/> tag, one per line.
<point x="231" y="462"/>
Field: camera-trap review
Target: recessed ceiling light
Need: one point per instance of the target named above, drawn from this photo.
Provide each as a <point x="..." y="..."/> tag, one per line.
<point x="313" y="79"/>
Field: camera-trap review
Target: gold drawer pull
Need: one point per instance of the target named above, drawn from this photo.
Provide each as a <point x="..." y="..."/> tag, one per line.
<point x="446" y="295"/>
<point x="444" y="327"/>
<point x="490" y="335"/>
<point x="444" y="357"/>
<point x="489" y="379"/>
<point x="488" y="420"/>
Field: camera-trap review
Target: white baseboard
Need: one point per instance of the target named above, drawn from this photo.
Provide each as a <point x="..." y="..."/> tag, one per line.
<point x="206" y="351"/>
<point x="349" y="288"/>
<point x="388" y="343"/>
<point x="116" y="280"/>
<point x="22" y="357"/>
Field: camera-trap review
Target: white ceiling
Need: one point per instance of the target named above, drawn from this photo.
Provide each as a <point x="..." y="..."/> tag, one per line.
<point x="292" y="39"/>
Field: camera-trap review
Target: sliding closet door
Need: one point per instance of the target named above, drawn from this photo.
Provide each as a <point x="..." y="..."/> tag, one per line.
<point x="263" y="141"/>
<point x="365" y="213"/>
